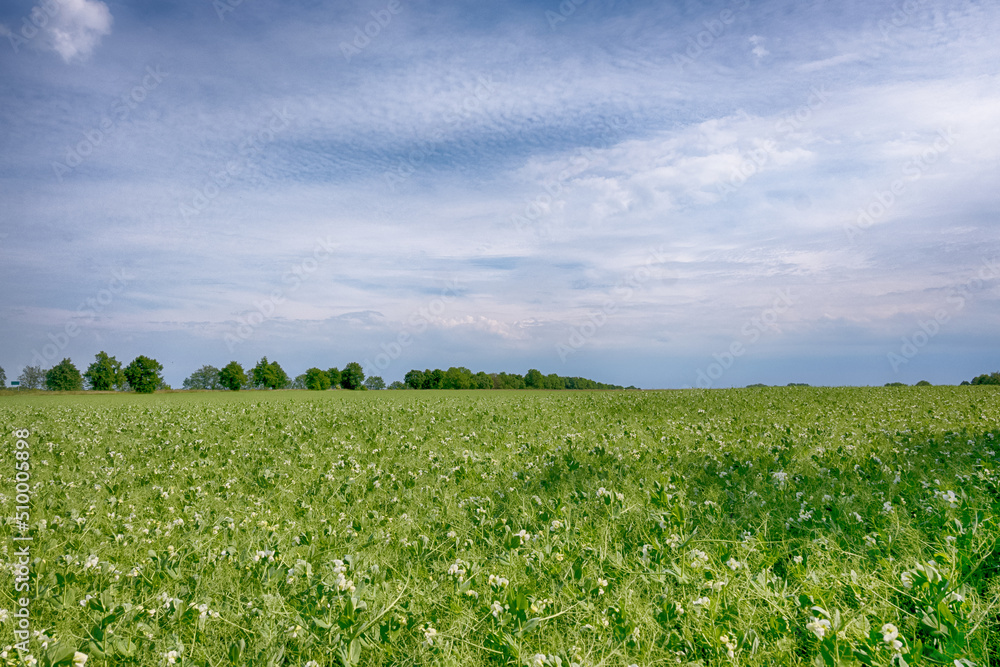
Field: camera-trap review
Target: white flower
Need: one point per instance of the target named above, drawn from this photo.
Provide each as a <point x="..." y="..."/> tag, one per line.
<point x="312" y="663"/>
<point x="79" y="659"/>
<point x="733" y="564"/>
<point x="458" y="570"/>
<point x="889" y="635"/>
<point x="4" y="615"/>
<point x="818" y="626"/>
<point x="798" y="559"/>
<point x="90" y="562"/>
<point x="171" y="657"/>
<point x="429" y="635"/>
<point x="497" y="609"/>
<point x="698" y="558"/>
<point x="701" y="602"/>
<point x="907" y="580"/>
<point x="730" y="644"/>
<point x="779" y="477"/>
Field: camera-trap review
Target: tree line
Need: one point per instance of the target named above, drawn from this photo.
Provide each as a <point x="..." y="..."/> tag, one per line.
<point x="463" y="378"/>
<point x="143" y="375"/>
<point x="270" y="375"/>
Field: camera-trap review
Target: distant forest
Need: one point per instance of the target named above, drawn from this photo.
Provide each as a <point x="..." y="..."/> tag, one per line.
<point x="463" y="378"/>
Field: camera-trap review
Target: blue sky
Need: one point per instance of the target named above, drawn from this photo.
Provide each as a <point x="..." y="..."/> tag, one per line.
<point x="663" y="194"/>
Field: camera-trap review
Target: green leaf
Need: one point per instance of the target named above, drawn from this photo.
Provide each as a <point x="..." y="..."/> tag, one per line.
<point x="355" y="651"/>
<point x="530" y="625"/>
<point x="60" y="654"/>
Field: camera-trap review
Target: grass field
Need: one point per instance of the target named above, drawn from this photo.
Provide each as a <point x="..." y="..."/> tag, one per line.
<point x="792" y="526"/>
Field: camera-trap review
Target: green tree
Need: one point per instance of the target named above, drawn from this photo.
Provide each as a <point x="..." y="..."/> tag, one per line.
<point x="64" y="376"/>
<point x="396" y="384"/>
<point x="353" y="376"/>
<point x="533" y="379"/>
<point x="374" y="383"/>
<point x="923" y="383"/>
<point x="105" y="373"/>
<point x="992" y="378"/>
<point x="509" y="381"/>
<point x="206" y="377"/>
<point x="269" y="375"/>
<point x="482" y="381"/>
<point x="32" y="377"/>
<point x="457" y="378"/>
<point x="433" y="379"/>
<point x="232" y="376"/>
<point x="553" y="381"/>
<point x="143" y="375"/>
<point x="334" y="376"/>
<point x="414" y="379"/>
<point x="317" y="380"/>
<point x="3" y="378"/>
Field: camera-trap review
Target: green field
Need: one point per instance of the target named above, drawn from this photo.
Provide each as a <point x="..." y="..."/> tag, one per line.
<point x="792" y="526"/>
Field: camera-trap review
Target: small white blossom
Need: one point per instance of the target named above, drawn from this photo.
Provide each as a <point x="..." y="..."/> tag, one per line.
<point x="819" y="627"/>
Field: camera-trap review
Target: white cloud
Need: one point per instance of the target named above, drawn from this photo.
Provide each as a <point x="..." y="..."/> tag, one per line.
<point x="77" y="28"/>
<point x="758" y="46"/>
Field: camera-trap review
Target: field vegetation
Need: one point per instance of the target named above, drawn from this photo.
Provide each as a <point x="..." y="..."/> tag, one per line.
<point x="765" y="526"/>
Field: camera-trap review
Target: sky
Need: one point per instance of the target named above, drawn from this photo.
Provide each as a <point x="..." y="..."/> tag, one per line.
<point x="659" y="194"/>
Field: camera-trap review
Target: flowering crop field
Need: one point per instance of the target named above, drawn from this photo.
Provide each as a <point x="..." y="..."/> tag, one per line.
<point x="791" y="526"/>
